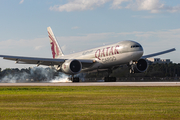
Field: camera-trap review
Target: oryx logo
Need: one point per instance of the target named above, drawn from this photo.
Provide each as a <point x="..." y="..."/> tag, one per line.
<point x="54" y="46"/>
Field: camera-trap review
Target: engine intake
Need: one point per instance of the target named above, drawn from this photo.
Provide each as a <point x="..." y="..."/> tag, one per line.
<point x="71" y="67"/>
<point x="140" y="66"/>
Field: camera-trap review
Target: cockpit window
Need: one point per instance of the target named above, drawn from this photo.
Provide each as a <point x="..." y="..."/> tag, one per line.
<point x="135" y="46"/>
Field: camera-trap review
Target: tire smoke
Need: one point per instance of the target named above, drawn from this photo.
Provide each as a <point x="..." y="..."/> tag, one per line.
<point x="34" y="74"/>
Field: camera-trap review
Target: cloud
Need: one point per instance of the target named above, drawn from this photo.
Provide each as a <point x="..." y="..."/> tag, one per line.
<point x="23" y="43"/>
<point x="21" y="1"/>
<point x="154" y="6"/>
<point x="117" y="4"/>
<point x="146" y="16"/>
<point x="75" y="27"/>
<point x="38" y="47"/>
<point x="168" y="37"/>
<point x="32" y="47"/>
<point x="79" y="5"/>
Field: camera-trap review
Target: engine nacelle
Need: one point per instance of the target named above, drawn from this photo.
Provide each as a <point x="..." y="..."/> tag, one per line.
<point x="140" y="66"/>
<point x="71" y="67"/>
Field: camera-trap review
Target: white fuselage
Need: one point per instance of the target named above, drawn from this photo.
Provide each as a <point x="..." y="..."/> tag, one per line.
<point x="110" y="55"/>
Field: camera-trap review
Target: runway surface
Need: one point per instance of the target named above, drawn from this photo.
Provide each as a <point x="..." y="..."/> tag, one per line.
<point x="95" y="84"/>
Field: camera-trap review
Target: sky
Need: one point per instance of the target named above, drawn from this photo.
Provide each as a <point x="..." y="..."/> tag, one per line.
<point x="84" y="24"/>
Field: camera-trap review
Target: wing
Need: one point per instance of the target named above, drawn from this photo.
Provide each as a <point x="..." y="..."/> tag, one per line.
<point x="41" y="61"/>
<point x="159" y="53"/>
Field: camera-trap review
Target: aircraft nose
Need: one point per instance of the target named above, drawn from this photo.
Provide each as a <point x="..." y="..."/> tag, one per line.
<point x="141" y="48"/>
<point x="137" y="46"/>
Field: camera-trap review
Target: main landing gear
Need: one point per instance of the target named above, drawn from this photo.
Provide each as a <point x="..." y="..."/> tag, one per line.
<point x="74" y="79"/>
<point x="109" y="79"/>
<point x="131" y="70"/>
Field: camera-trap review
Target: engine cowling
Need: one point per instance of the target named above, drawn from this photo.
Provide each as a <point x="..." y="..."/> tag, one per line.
<point x="71" y="67"/>
<point x="140" y="66"/>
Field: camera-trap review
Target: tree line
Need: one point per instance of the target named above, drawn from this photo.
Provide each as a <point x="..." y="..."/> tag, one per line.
<point x="154" y="70"/>
<point x="49" y="73"/>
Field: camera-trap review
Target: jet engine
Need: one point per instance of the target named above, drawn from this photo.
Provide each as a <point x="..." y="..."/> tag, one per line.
<point x="71" y="67"/>
<point x="140" y="66"/>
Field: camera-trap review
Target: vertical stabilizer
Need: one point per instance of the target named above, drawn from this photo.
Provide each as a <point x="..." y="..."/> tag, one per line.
<point x="55" y="48"/>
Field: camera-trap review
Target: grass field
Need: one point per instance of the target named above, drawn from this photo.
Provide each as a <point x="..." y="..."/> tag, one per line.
<point x="76" y="103"/>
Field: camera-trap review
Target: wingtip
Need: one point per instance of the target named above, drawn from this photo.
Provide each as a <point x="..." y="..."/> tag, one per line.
<point x="173" y="49"/>
<point x="159" y="53"/>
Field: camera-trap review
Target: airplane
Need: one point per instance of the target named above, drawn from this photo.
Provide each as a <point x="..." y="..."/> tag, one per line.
<point x="107" y="57"/>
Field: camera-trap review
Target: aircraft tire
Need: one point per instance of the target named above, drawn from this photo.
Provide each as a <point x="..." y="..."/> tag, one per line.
<point x="110" y="79"/>
<point x="131" y="71"/>
<point x="75" y="79"/>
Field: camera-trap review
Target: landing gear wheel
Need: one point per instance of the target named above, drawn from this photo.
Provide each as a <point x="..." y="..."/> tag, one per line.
<point x="110" y="79"/>
<point x="75" y="79"/>
<point x="131" y="71"/>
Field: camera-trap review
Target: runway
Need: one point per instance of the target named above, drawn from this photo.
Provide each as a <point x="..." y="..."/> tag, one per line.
<point x="95" y="84"/>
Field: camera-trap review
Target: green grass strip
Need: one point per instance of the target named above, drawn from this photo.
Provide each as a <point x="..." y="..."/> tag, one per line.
<point x="100" y="103"/>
